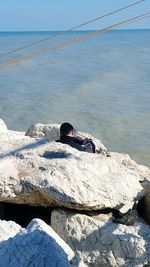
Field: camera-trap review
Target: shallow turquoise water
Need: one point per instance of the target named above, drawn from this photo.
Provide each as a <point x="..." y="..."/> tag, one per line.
<point x="101" y="85"/>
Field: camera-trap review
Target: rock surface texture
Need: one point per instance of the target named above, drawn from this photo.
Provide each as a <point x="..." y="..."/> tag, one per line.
<point x="37" y="245"/>
<point x="53" y="174"/>
<point x="3" y="127"/>
<point x="102" y="242"/>
<point x="37" y="171"/>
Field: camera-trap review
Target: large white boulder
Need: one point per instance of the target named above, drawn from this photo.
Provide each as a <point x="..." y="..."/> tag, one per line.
<point x="104" y="243"/>
<point x="3" y="127"/>
<point x="38" y="172"/>
<point x="8" y="229"/>
<point x="143" y="172"/>
<point x="50" y="131"/>
<point x="37" y="245"/>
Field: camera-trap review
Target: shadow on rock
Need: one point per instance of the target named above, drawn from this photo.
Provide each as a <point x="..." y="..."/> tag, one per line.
<point x="16" y="152"/>
<point x="37" y="245"/>
<point x="102" y="242"/>
<point x="56" y="155"/>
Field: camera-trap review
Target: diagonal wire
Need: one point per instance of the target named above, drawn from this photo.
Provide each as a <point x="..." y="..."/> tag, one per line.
<point x="70" y="29"/>
<point x="76" y="39"/>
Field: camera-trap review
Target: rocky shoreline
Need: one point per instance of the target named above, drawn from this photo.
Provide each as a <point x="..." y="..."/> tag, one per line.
<point x="83" y="209"/>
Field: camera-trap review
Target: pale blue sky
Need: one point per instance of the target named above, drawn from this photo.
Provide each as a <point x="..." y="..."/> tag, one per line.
<point x="38" y="15"/>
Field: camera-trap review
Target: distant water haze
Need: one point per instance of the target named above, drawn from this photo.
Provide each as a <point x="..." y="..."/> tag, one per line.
<point x="101" y="86"/>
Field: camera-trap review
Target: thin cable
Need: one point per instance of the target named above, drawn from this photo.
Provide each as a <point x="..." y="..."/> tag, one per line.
<point x="74" y="40"/>
<point x="70" y="29"/>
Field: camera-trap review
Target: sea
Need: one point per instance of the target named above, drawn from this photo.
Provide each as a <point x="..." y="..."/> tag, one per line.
<point x="101" y="85"/>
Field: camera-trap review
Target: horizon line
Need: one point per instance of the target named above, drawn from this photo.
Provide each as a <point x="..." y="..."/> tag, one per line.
<point x="11" y="31"/>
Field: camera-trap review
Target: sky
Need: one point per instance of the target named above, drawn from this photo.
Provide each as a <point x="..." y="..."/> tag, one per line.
<point x="50" y="15"/>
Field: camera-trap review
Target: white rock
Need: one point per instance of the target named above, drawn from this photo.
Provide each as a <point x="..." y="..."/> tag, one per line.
<point x="63" y="175"/>
<point x="104" y="243"/>
<point x="37" y="245"/>
<point x="143" y="172"/>
<point x="3" y="127"/>
<point x="42" y="130"/>
<point x="34" y="171"/>
<point x="8" y="229"/>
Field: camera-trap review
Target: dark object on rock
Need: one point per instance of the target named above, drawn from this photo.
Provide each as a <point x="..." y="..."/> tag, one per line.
<point x="67" y="136"/>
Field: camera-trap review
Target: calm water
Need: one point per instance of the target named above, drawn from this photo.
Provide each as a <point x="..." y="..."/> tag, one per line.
<point x="101" y="86"/>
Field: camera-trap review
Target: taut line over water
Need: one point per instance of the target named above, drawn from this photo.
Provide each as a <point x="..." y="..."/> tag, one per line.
<point x="70" y="29"/>
<point x="74" y="40"/>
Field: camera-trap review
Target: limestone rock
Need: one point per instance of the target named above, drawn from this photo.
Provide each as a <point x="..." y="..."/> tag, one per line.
<point x="36" y="170"/>
<point x="3" y="127"/>
<point x="8" y="230"/>
<point x="54" y="174"/>
<point x="42" y="130"/>
<point x="143" y="172"/>
<point x="37" y="245"/>
<point x="104" y="243"/>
